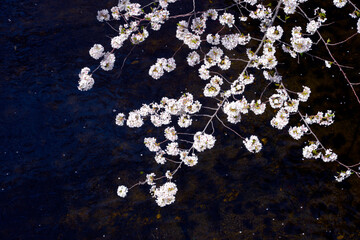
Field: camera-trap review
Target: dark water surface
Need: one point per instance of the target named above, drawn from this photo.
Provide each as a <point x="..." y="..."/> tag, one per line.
<point x="62" y="156"/>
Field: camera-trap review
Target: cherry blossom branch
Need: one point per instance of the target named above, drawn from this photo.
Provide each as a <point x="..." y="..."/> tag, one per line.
<point x="333" y="58"/>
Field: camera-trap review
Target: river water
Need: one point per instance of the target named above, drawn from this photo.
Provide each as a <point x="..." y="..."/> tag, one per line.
<point x="62" y="156"/>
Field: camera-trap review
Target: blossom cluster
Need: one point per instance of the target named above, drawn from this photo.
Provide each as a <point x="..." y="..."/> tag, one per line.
<point x="160" y="113"/>
<point x="253" y="144"/>
<point x="211" y="52"/>
<point x="86" y="81"/>
<point x="130" y="30"/>
<point x="162" y="64"/>
<point x="299" y="43"/>
<point x="313" y="150"/>
<point x="343" y="175"/>
<point x="203" y="141"/>
<point x="298" y="132"/>
<point x="321" y="118"/>
<point x="165" y="194"/>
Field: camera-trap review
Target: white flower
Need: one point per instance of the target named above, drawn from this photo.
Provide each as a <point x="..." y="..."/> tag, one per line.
<point x="250" y="54"/>
<point x="107" y="63"/>
<point x="252" y="144"/>
<point x="237" y="87"/>
<point x="212" y="13"/>
<point x="310" y="151"/>
<point x="353" y="14"/>
<point x="276" y="101"/>
<point x="274" y="33"/>
<point x="211" y="90"/>
<point x="321" y="118"/>
<point x="145" y="110"/>
<point x="246" y="79"/>
<point x="343" y="175"/>
<point x="268" y="61"/>
<point x="243" y="39"/>
<point x="151" y="144"/>
<point x="328" y="118"/>
<point x="227" y="19"/>
<point x="340" y="3"/>
<point x="103" y="15"/>
<point x="243" y="19"/>
<point x="97" y="51"/>
<point x="117" y="42"/>
<point x="173" y="107"/>
<point x="134" y="119"/>
<point x="225" y="63"/>
<point x="168" y="175"/>
<point x="165" y="194"/>
<point x="133" y="9"/>
<point x="122" y="191"/>
<point x="164" y="3"/>
<point x="194" y="108"/>
<point x="213" y="39"/>
<point x="137" y="38"/>
<point x="156" y="71"/>
<point x="269" y="49"/>
<point x="203" y="141"/>
<point x="233" y="110"/>
<point x="297" y="132"/>
<point x="243" y="105"/>
<point x="172" y="149"/>
<point x="230" y="41"/>
<point x="301" y="45"/>
<point x="182" y="30"/>
<point x="190" y="160"/>
<point x="272" y="76"/>
<point x="165" y="118"/>
<point x="329" y="156"/>
<point x="86" y="82"/>
<point x="170" y="65"/>
<point x="358" y="25"/>
<point x="156" y="120"/>
<point x="193" y="58"/>
<point x="159" y="157"/>
<point x="192" y="40"/>
<point x="261" y="12"/>
<point x="184" y="121"/>
<point x="257" y="107"/>
<point x="216" y="80"/>
<point x="312" y="26"/>
<point x="185" y="100"/>
<point x="198" y="25"/>
<point x="328" y="64"/>
<point x="115" y="12"/>
<point x="288" y="50"/>
<point x="290" y="6"/>
<point x="321" y="13"/>
<point x="291" y="105"/>
<point x="170" y="134"/>
<point x="305" y="94"/>
<point x="155" y="26"/>
<point x="204" y="73"/>
<point x="122" y="4"/>
<point x="214" y="55"/>
<point x="120" y="119"/>
<point x="150" y="179"/>
<point x="183" y="154"/>
<point x="251" y="2"/>
<point x="281" y="119"/>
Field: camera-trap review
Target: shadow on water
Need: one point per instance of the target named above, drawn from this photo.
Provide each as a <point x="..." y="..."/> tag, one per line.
<point x="62" y="156"/>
